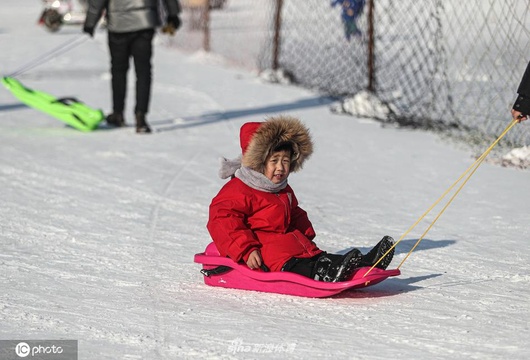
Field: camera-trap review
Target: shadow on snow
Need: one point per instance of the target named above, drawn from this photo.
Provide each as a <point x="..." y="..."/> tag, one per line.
<point x="215" y="117"/>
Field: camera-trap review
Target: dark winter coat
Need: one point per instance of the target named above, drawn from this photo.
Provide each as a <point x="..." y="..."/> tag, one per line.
<point x="129" y="15"/>
<point x="243" y="219"/>
<point x="522" y="103"/>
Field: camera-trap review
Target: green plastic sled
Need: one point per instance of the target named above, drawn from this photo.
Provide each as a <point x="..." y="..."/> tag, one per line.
<point x="70" y="110"/>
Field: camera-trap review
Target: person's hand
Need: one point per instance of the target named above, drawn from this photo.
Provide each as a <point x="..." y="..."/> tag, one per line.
<point x="517" y="115"/>
<point x="173" y="23"/>
<point x="88" y="30"/>
<point x="254" y="260"/>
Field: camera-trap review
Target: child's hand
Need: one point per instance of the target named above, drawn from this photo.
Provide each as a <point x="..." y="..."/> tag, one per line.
<point x="254" y="260"/>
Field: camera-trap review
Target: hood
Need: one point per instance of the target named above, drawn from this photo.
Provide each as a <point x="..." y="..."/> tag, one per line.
<point x="258" y="139"/>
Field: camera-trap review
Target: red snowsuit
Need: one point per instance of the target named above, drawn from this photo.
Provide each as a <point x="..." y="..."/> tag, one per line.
<point x="243" y="219"/>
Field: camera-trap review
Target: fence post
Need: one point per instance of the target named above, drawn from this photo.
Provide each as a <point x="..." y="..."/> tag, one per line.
<point x="206" y="26"/>
<point x="371" y="47"/>
<point x="277" y="39"/>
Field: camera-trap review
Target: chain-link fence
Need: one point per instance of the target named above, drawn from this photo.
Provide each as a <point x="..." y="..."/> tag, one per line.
<point x="238" y="30"/>
<point x="443" y="64"/>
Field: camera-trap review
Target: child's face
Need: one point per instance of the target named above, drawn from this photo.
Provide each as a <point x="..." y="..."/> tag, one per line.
<point x="277" y="166"/>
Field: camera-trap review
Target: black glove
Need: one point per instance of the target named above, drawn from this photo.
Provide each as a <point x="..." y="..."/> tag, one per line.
<point x="88" y="30"/>
<point x="173" y="23"/>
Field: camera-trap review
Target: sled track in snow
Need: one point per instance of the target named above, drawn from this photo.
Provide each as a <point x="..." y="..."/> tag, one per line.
<point x="152" y="227"/>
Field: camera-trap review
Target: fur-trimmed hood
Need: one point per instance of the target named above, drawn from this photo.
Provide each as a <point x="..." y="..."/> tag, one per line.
<point x="259" y="139"/>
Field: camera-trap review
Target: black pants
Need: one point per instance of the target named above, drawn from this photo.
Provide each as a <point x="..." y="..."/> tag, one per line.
<point x="307" y="266"/>
<point x="123" y="46"/>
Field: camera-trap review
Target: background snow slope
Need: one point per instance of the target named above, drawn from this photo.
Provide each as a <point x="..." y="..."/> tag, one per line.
<point x="98" y="230"/>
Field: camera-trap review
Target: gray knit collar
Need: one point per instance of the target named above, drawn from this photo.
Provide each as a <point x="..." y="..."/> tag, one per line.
<point x="258" y="181"/>
<point x="252" y="178"/>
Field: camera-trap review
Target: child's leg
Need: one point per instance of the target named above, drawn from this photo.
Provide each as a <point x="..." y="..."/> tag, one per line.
<point x="325" y="267"/>
<point x="378" y="251"/>
<point x="302" y="266"/>
<point x="333" y="268"/>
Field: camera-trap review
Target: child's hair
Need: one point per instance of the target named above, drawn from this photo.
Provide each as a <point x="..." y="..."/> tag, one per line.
<point x="285" y="146"/>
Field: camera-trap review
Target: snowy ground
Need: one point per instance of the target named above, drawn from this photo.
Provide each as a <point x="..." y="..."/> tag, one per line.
<point x="98" y="230"/>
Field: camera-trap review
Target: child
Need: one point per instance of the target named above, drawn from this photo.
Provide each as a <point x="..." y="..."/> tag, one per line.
<point x="255" y="217"/>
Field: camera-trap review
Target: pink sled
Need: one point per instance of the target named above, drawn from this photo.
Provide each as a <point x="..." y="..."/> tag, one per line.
<point x="239" y="276"/>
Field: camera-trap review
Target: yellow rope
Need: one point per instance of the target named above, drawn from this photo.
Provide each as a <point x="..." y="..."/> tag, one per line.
<point x="441" y="212"/>
<point x="474" y="166"/>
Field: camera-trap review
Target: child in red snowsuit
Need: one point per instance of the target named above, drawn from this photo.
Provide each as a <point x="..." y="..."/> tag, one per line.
<point x="255" y="217"/>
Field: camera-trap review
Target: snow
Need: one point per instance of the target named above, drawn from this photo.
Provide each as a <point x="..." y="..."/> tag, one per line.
<point x="279" y="76"/>
<point x="366" y="104"/>
<point x="519" y="157"/>
<point x="99" y="230"/>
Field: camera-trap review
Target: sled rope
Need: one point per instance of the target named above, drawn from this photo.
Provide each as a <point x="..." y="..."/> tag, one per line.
<point x="59" y="50"/>
<point x="471" y="170"/>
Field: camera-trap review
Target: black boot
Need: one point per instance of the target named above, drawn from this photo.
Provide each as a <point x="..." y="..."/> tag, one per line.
<point x="141" y="124"/>
<point x="349" y="262"/>
<point x="377" y="252"/>
<point x="321" y="268"/>
<point x="333" y="268"/>
<point x="115" y="119"/>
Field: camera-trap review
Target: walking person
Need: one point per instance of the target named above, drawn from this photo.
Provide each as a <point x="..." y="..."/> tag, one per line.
<point x="131" y="28"/>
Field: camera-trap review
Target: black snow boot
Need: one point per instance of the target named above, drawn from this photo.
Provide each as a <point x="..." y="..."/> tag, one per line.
<point x="321" y="268"/>
<point x="334" y="268"/>
<point x="377" y="252"/>
<point x="115" y="119"/>
<point x="141" y="124"/>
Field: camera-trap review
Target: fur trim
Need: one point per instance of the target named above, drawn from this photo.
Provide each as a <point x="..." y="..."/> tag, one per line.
<point x="228" y="167"/>
<point x="273" y="132"/>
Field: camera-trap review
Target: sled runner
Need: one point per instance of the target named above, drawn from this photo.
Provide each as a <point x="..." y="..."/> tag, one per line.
<point x="70" y="110"/>
<point x="223" y="272"/>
